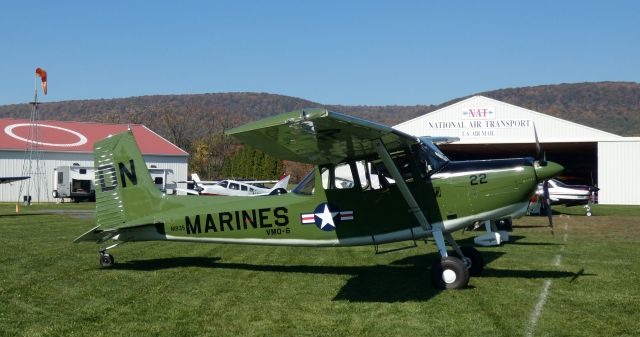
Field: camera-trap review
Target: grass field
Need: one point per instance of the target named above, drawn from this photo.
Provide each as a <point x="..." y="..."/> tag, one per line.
<point x="583" y="281"/>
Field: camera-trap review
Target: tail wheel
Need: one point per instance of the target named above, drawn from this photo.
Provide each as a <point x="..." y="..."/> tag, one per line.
<point x="106" y="259"/>
<point x="449" y="273"/>
<point x="476" y="259"/>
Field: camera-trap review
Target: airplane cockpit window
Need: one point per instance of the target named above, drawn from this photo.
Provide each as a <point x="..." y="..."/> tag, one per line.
<point x="338" y="177"/>
<point x="223" y="183"/>
<point x="234" y="186"/>
<point x="243" y="187"/>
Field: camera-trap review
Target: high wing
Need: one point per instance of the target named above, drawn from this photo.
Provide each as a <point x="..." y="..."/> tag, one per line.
<point x="6" y="180"/>
<point x="319" y="136"/>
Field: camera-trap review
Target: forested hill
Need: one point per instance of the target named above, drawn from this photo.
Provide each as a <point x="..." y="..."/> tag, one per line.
<point x="609" y="106"/>
<point x="195" y="122"/>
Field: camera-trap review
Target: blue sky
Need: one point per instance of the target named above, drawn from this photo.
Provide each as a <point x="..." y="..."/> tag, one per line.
<point x="331" y="52"/>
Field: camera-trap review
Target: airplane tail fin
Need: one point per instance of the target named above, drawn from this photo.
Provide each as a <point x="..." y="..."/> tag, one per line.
<point x="195" y="177"/>
<point x="124" y="188"/>
<point x="282" y="183"/>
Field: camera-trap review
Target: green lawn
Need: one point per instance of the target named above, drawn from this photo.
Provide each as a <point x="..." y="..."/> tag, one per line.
<point x="51" y="287"/>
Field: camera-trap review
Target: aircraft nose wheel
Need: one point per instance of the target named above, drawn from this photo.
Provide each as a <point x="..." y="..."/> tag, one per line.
<point x="106" y="259"/>
<point x="449" y="273"/>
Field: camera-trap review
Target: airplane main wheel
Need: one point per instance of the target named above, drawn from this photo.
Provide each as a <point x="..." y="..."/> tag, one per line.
<point x="106" y="259"/>
<point x="449" y="273"/>
<point x="476" y="259"/>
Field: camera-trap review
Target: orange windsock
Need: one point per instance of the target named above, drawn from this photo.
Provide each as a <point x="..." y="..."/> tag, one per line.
<point x="43" y="75"/>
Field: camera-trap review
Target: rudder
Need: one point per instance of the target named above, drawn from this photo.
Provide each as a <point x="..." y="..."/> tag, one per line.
<point x="124" y="189"/>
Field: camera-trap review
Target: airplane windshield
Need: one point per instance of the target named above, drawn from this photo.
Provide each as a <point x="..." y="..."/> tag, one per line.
<point x="432" y="156"/>
<point x="307" y="184"/>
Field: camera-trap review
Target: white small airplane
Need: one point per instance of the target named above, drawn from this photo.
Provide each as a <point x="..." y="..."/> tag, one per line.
<point x="237" y="188"/>
<point x="570" y="195"/>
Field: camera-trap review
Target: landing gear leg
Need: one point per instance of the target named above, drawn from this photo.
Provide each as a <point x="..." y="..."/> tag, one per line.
<point x="449" y="272"/>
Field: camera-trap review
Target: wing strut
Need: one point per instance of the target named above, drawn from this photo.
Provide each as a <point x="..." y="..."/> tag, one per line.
<point x="402" y="185"/>
<point x="408" y="197"/>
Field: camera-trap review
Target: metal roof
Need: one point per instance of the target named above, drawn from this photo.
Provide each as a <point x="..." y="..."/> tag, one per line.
<point x="58" y="136"/>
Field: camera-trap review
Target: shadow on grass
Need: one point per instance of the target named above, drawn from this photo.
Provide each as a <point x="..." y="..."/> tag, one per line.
<point x="167" y="263"/>
<point x="534" y="274"/>
<point x="21" y="215"/>
<point x="406" y="279"/>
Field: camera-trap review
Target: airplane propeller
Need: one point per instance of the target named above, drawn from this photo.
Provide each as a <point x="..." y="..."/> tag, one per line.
<point x="541" y="156"/>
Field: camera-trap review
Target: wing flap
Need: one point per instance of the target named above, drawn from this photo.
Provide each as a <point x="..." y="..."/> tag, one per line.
<point x="318" y="136"/>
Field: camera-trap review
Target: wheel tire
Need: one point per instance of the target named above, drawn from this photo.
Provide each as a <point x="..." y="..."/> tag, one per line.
<point x="449" y="273"/>
<point x="106" y="260"/>
<point x="588" y="213"/>
<point x="477" y="261"/>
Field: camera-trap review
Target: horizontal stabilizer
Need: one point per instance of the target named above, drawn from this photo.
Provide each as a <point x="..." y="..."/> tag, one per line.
<point x="95" y="235"/>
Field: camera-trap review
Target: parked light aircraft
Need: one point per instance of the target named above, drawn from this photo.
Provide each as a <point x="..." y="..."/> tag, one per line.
<point x="420" y="193"/>
<point x="237" y="188"/>
<point x="569" y="195"/>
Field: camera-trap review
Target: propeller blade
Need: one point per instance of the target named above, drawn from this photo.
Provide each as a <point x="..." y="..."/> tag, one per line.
<point x="541" y="155"/>
<point x="538" y="147"/>
<point x="547" y="202"/>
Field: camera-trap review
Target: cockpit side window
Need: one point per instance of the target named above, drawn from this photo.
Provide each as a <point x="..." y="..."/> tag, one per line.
<point x="338" y="177"/>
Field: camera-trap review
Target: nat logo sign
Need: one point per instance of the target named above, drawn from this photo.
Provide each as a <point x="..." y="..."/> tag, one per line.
<point x="479" y="113"/>
<point x="107" y="176"/>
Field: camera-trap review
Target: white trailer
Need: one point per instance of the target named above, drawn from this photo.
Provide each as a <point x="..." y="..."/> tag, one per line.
<point x="74" y="182"/>
<point x="77" y="183"/>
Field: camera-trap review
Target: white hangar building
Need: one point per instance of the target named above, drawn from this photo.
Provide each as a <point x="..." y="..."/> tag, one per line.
<point x="66" y="144"/>
<point x="488" y="128"/>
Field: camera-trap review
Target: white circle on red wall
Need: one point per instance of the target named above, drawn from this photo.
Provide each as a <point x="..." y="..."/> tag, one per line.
<point x="81" y="138"/>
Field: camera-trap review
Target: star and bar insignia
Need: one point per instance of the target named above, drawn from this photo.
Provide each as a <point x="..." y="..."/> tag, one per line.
<point x="325" y="216"/>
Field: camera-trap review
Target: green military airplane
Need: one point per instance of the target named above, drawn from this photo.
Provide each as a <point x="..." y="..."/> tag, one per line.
<point x="372" y="184"/>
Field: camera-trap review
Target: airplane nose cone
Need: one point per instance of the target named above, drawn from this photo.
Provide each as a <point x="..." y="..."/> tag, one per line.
<point x="547" y="171"/>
